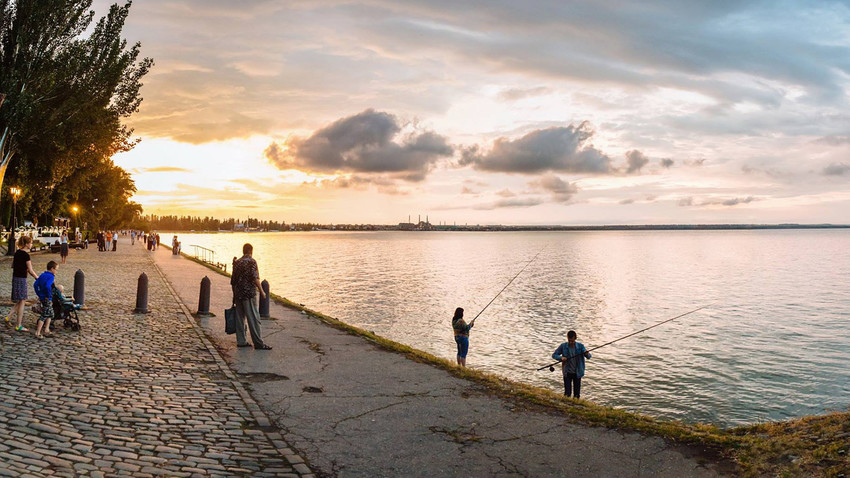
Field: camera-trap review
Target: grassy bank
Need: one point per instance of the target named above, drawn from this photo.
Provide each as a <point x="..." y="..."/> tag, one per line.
<point x="810" y="446"/>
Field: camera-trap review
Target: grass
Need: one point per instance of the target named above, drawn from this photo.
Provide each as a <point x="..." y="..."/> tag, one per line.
<point x="816" y="446"/>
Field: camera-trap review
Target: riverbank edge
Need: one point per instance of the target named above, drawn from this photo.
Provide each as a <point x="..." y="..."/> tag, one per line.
<point x="815" y="445"/>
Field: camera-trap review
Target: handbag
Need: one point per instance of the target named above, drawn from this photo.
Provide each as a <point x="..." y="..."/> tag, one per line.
<point x="231" y="321"/>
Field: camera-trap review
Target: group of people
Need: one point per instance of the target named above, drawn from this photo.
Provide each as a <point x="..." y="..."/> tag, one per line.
<point x="151" y="240"/>
<point x="44" y="285"/>
<point x="107" y="241"/>
<point x="571" y="354"/>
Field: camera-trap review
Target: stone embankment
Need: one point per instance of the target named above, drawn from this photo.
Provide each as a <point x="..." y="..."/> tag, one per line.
<point x="129" y="394"/>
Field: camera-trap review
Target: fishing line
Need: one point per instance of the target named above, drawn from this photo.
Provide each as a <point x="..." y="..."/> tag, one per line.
<point x="506" y="285"/>
<point x="551" y="366"/>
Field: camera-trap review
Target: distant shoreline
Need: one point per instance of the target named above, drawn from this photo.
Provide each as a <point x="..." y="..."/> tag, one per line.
<point x="496" y="228"/>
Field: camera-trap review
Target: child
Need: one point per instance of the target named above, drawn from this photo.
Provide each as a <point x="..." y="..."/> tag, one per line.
<point x="571" y="354"/>
<point x="44" y="290"/>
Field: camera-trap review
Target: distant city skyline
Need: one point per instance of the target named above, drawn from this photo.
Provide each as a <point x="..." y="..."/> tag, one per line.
<point x="494" y="113"/>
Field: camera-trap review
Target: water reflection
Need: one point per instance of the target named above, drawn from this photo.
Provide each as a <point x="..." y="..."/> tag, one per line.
<point x="774" y="346"/>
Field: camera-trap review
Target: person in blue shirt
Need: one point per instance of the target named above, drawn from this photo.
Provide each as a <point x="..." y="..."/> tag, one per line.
<point x="571" y="354"/>
<point x="44" y="290"/>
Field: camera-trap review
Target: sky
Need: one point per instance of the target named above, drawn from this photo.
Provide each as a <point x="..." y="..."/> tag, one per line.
<point x="496" y="112"/>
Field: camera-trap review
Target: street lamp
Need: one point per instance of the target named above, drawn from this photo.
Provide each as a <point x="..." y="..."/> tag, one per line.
<point x="15" y="192"/>
<point x="76" y="216"/>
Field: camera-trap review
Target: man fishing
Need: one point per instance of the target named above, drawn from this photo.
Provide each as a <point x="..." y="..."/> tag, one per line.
<point x="571" y="354"/>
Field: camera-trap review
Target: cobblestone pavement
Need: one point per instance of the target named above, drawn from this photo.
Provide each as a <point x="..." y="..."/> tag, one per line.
<point x="129" y="394"/>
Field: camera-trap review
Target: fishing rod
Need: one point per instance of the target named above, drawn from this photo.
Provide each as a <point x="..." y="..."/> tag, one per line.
<point x="551" y="366"/>
<point x="506" y="285"/>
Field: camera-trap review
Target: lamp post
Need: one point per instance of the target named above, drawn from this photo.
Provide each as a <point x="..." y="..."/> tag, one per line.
<point x="15" y="192"/>
<point x="76" y="217"/>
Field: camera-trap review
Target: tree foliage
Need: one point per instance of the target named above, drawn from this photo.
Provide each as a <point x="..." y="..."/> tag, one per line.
<point x="69" y="87"/>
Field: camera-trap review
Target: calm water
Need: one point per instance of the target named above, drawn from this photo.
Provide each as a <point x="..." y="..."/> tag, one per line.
<point x="775" y="345"/>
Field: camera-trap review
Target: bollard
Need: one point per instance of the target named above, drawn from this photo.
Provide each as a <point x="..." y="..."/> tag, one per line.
<point x="142" y="295"/>
<point x="264" y="303"/>
<point x="79" y="287"/>
<point x="204" y="299"/>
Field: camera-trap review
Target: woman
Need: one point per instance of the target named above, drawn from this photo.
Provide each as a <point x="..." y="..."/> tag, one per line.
<point x="461" y="329"/>
<point x="21" y="267"/>
<point x="63" y="245"/>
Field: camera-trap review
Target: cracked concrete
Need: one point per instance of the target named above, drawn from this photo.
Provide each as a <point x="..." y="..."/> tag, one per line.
<point x="380" y="414"/>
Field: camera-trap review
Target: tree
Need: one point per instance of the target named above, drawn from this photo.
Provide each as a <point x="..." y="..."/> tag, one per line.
<point x="66" y="97"/>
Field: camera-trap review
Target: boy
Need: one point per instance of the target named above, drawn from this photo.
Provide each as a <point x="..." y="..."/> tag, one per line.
<point x="44" y="290"/>
<point x="572" y="355"/>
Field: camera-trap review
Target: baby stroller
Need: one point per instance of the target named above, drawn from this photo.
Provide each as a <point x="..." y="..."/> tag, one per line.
<point x="66" y="310"/>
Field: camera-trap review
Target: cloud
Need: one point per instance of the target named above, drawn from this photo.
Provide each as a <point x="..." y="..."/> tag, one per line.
<point x="635" y="161"/>
<point x="368" y="142"/>
<point x="514" y="94"/>
<point x="666" y="163"/>
<point x="561" y="190"/>
<point x="561" y="149"/>
<point x="689" y="201"/>
<point x="506" y="193"/>
<point x="627" y="201"/>
<point x="162" y="169"/>
<point x="467" y="190"/>
<point x="696" y="162"/>
<point x="834" y="140"/>
<point x="836" y="169"/>
<point x="510" y="203"/>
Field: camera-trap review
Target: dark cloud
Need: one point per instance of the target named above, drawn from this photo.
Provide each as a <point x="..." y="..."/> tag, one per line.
<point x="696" y="162"/>
<point x="836" y="169"/>
<point x="635" y="160"/>
<point x="686" y="202"/>
<point x="383" y="184"/>
<point x="561" y="149"/>
<point x="627" y="201"/>
<point x="666" y="163"/>
<point x="368" y="142"/>
<point x="561" y="190"/>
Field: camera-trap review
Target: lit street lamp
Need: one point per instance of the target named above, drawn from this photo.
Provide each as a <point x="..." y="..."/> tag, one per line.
<point x="76" y="217"/>
<point x="15" y="192"/>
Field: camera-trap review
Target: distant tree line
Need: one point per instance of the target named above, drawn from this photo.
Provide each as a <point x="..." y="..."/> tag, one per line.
<point x="207" y="223"/>
<point x="67" y="84"/>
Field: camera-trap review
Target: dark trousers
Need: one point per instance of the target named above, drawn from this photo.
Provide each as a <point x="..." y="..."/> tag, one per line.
<point x="572" y="381"/>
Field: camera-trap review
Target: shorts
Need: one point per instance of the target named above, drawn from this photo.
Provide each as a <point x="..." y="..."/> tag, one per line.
<point x="462" y="346"/>
<point x="19" y="289"/>
<point x="46" y="310"/>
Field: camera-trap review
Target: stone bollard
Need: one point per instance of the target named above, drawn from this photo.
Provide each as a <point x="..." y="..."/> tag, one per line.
<point x="264" y="303"/>
<point x="204" y="298"/>
<point x="142" y="295"/>
<point x="79" y="287"/>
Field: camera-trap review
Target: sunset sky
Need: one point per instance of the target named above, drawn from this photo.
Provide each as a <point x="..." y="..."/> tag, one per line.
<point x="497" y="112"/>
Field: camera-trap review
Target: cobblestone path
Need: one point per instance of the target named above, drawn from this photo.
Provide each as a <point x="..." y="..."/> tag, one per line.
<point x="129" y="394"/>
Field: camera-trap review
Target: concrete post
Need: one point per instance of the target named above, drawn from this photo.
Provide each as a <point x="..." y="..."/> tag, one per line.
<point x="204" y="298"/>
<point x="142" y="295"/>
<point x="264" y="303"/>
<point x="79" y="287"/>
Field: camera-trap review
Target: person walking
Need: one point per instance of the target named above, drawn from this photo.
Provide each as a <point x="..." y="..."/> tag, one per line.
<point x="115" y="242"/>
<point x="571" y="354"/>
<point x="21" y="268"/>
<point x="245" y="283"/>
<point x="63" y="245"/>
<point x="108" y="241"/>
<point x="461" y="329"/>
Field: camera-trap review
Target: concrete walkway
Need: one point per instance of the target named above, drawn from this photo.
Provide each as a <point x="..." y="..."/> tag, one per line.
<point x="129" y="394"/>
<point x="352" y="409"/>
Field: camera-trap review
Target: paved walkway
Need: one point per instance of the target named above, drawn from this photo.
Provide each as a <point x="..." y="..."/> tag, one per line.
<point x="131" y="395"/>
<point x="353" y="409"/>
